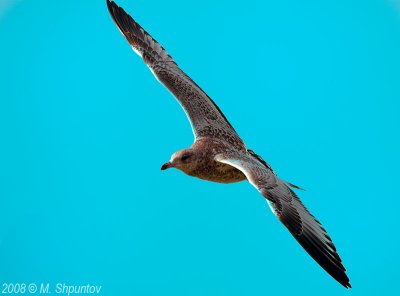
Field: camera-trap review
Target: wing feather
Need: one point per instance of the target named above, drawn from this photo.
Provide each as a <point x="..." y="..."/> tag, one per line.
<point x="286" y="205"/>
<point x="206" y="119"/>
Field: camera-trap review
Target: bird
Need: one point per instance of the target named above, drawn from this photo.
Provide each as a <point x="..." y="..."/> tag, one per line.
<point x="219" y="155"/>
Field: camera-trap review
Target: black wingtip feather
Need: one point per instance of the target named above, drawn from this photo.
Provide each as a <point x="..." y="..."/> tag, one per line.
<point x="113" y="10"/>
<point x="110" y="5"/>
<point x="307" y="230"/>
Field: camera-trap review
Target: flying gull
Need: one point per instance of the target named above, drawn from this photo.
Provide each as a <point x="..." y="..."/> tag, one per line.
<point x="218" y="154"/>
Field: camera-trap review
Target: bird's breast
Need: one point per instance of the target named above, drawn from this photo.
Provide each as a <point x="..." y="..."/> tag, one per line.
<point x="218" y="172"/>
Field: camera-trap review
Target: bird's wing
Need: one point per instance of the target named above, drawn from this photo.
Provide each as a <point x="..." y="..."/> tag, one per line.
<point x="285" y="204"/>
<point x="205" y="117"/>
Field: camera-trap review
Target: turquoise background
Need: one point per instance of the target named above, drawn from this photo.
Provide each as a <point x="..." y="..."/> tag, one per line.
<point x="312" y="86"/>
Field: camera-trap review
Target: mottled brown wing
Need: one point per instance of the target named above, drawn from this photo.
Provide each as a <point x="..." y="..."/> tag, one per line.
<point x="285" y="204"/>
<point x="205" y="117"/>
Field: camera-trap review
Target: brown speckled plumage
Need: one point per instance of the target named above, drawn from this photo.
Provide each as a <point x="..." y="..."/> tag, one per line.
<point x="219" y="154"/>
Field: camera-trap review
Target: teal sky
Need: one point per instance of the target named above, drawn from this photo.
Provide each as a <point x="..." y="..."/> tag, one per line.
<point x="312" y="86"/>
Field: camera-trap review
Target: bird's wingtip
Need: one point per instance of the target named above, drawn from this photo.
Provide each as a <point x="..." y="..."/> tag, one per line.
<point x="110" y="4"/>
<point x="345" y="282"/>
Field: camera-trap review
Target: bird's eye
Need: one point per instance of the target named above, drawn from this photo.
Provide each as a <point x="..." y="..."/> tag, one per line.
<point x="185" y="157"/>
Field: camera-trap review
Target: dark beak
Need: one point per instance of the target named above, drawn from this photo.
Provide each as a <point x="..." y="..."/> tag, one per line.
<point x="166" y="166"/>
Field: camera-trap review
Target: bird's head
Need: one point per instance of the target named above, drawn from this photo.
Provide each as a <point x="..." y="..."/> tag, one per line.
<point x="184" y="160"/>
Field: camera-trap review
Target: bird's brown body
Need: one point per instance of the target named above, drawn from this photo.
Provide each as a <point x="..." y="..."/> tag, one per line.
<point x="209" y="169"/>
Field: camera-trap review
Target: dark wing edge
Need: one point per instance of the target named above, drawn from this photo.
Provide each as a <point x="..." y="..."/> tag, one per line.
<point x="168" y="73"/>
<point x="141" y="41"/>
<point x="306" y="229"/>
<point x="286" y="205"/>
